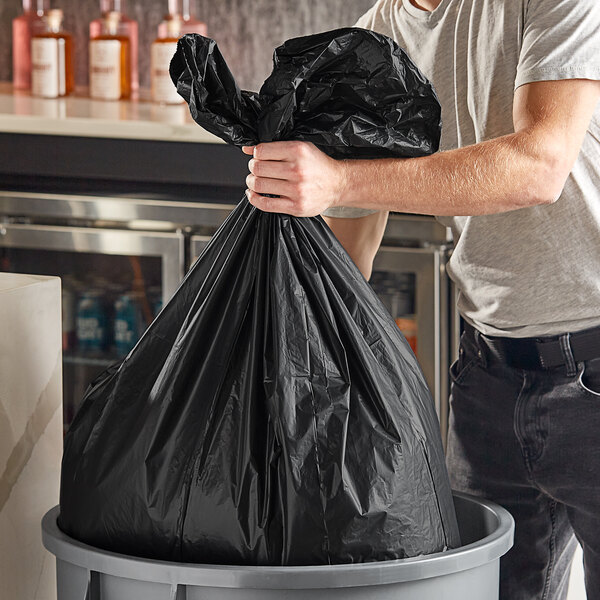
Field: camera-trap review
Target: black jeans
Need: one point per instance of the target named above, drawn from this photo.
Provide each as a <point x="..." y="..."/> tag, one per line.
<point x="530" y="441"/>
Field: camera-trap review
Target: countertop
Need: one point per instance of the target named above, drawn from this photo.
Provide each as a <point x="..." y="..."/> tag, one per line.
<point x="80" y="116"/>
<point x="46" y="143"/>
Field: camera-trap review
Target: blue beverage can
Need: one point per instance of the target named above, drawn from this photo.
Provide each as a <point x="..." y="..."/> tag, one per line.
<point x="91" y="326"/>
<point x="128" y="324"/>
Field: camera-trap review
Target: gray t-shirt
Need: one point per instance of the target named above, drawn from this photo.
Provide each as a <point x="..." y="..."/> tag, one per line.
<point x="533" y="271"/>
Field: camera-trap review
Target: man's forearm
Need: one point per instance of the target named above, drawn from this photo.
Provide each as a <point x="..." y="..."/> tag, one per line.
<point x="503" y="174"/>
<point x="522" y="169"/>
<point x="510" y="172"/>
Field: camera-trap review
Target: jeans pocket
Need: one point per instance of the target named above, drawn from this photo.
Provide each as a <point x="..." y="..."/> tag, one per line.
<point x="462" y="365"/>
<point x="588" y="378"/>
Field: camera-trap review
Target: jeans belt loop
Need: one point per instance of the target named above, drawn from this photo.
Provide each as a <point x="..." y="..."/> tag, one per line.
<point x="567" y="352"/>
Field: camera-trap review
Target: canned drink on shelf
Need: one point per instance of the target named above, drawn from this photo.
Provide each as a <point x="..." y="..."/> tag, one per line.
<point x="128" y="323"/>
<point x="92" y="323"/>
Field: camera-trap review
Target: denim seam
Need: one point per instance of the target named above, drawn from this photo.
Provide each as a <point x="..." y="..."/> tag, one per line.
<point x="565" y="346"/>
<point x="518" y="421"/>
<point x="540" y="438"/>
<point x="463" y="372"/>
<point x="552" y="549"/>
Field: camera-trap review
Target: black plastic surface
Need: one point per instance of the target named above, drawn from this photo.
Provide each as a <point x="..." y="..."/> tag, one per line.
<point x="273" y="413"/>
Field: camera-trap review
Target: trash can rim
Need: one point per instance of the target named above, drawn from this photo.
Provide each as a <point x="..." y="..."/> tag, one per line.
<point x="470" y="556"/>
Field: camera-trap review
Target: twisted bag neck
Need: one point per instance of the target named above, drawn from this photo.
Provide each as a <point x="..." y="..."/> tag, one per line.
<point x="351" y="92"/>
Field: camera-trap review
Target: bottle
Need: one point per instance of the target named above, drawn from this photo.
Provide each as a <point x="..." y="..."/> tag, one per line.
<point x="182" y="9"/>
<point x="128" y="323"/>
<point x="24" y="26"/>
<point x="110" y="64"/>
<point x="127" y="28"/>
<point x="52" y="58"/>
<point x="92" y="323"/>
<point x="162" y="51"/>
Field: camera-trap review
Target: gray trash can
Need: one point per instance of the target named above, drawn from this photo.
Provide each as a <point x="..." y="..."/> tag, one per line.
<point x="471" y="571"/>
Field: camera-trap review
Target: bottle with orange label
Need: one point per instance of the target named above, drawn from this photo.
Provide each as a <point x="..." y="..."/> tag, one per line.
<point x="110" y="64"/>
<point x="114" y="26"/>
<point x="52" y="58"/>
<point x="161" y="53"/>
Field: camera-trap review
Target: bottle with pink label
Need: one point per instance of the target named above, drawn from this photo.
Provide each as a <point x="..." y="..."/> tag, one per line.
<point x="24" y="27"/>
<point x="114" y="22"/>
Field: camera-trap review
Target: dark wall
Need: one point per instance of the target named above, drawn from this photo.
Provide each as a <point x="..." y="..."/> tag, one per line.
<point x="246" y="30"/>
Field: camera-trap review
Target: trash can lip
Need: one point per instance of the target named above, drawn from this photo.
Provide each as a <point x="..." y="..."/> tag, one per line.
<point x="478" y="553"/>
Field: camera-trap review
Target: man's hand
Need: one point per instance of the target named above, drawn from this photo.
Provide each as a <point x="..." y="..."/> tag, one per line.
<point x="306" y="180"/>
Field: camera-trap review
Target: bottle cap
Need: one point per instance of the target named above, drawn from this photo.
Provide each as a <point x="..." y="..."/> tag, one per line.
<point x="54" y="18"/>
<point x="113" y="16"/>
<point x="112" y="20"/>
<point x="174" y="26"/>
<point x="112" y="5"/>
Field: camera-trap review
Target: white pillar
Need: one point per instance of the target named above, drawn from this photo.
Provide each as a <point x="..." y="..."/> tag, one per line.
<point x="30" y="430"/>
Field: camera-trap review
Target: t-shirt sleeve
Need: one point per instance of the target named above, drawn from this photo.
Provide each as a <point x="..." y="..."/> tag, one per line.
<point x="367" y="21"/>
<point x="561" y="40"/>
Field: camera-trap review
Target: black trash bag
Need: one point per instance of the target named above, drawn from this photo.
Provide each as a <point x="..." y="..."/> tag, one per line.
<point x="273" y="413"/>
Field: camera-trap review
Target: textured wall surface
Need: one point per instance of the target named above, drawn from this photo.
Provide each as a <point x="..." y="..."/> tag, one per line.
<point x="247" y="31"/>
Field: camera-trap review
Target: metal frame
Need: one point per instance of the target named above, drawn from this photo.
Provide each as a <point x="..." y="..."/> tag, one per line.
<point x="125" y="209"/>
<point x="120" y="209"/>
<point x="169" y="246"/>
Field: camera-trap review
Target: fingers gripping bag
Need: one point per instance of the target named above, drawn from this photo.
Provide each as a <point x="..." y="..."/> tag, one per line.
<point x="273" y="413"/>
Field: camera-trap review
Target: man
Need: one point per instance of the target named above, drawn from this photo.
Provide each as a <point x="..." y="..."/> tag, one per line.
<point x="518" y="81"/>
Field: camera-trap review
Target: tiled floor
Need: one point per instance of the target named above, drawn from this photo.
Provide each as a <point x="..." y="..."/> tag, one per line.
<point x="576" y="587"/>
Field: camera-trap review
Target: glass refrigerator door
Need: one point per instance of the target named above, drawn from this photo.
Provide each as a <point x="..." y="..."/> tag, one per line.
<point x="113" y="284"/>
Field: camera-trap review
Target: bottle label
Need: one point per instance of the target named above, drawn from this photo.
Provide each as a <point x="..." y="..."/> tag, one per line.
<point x="105" y="69"/>
<point x="163" y="89"/>
<point x="48" y="76"/>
